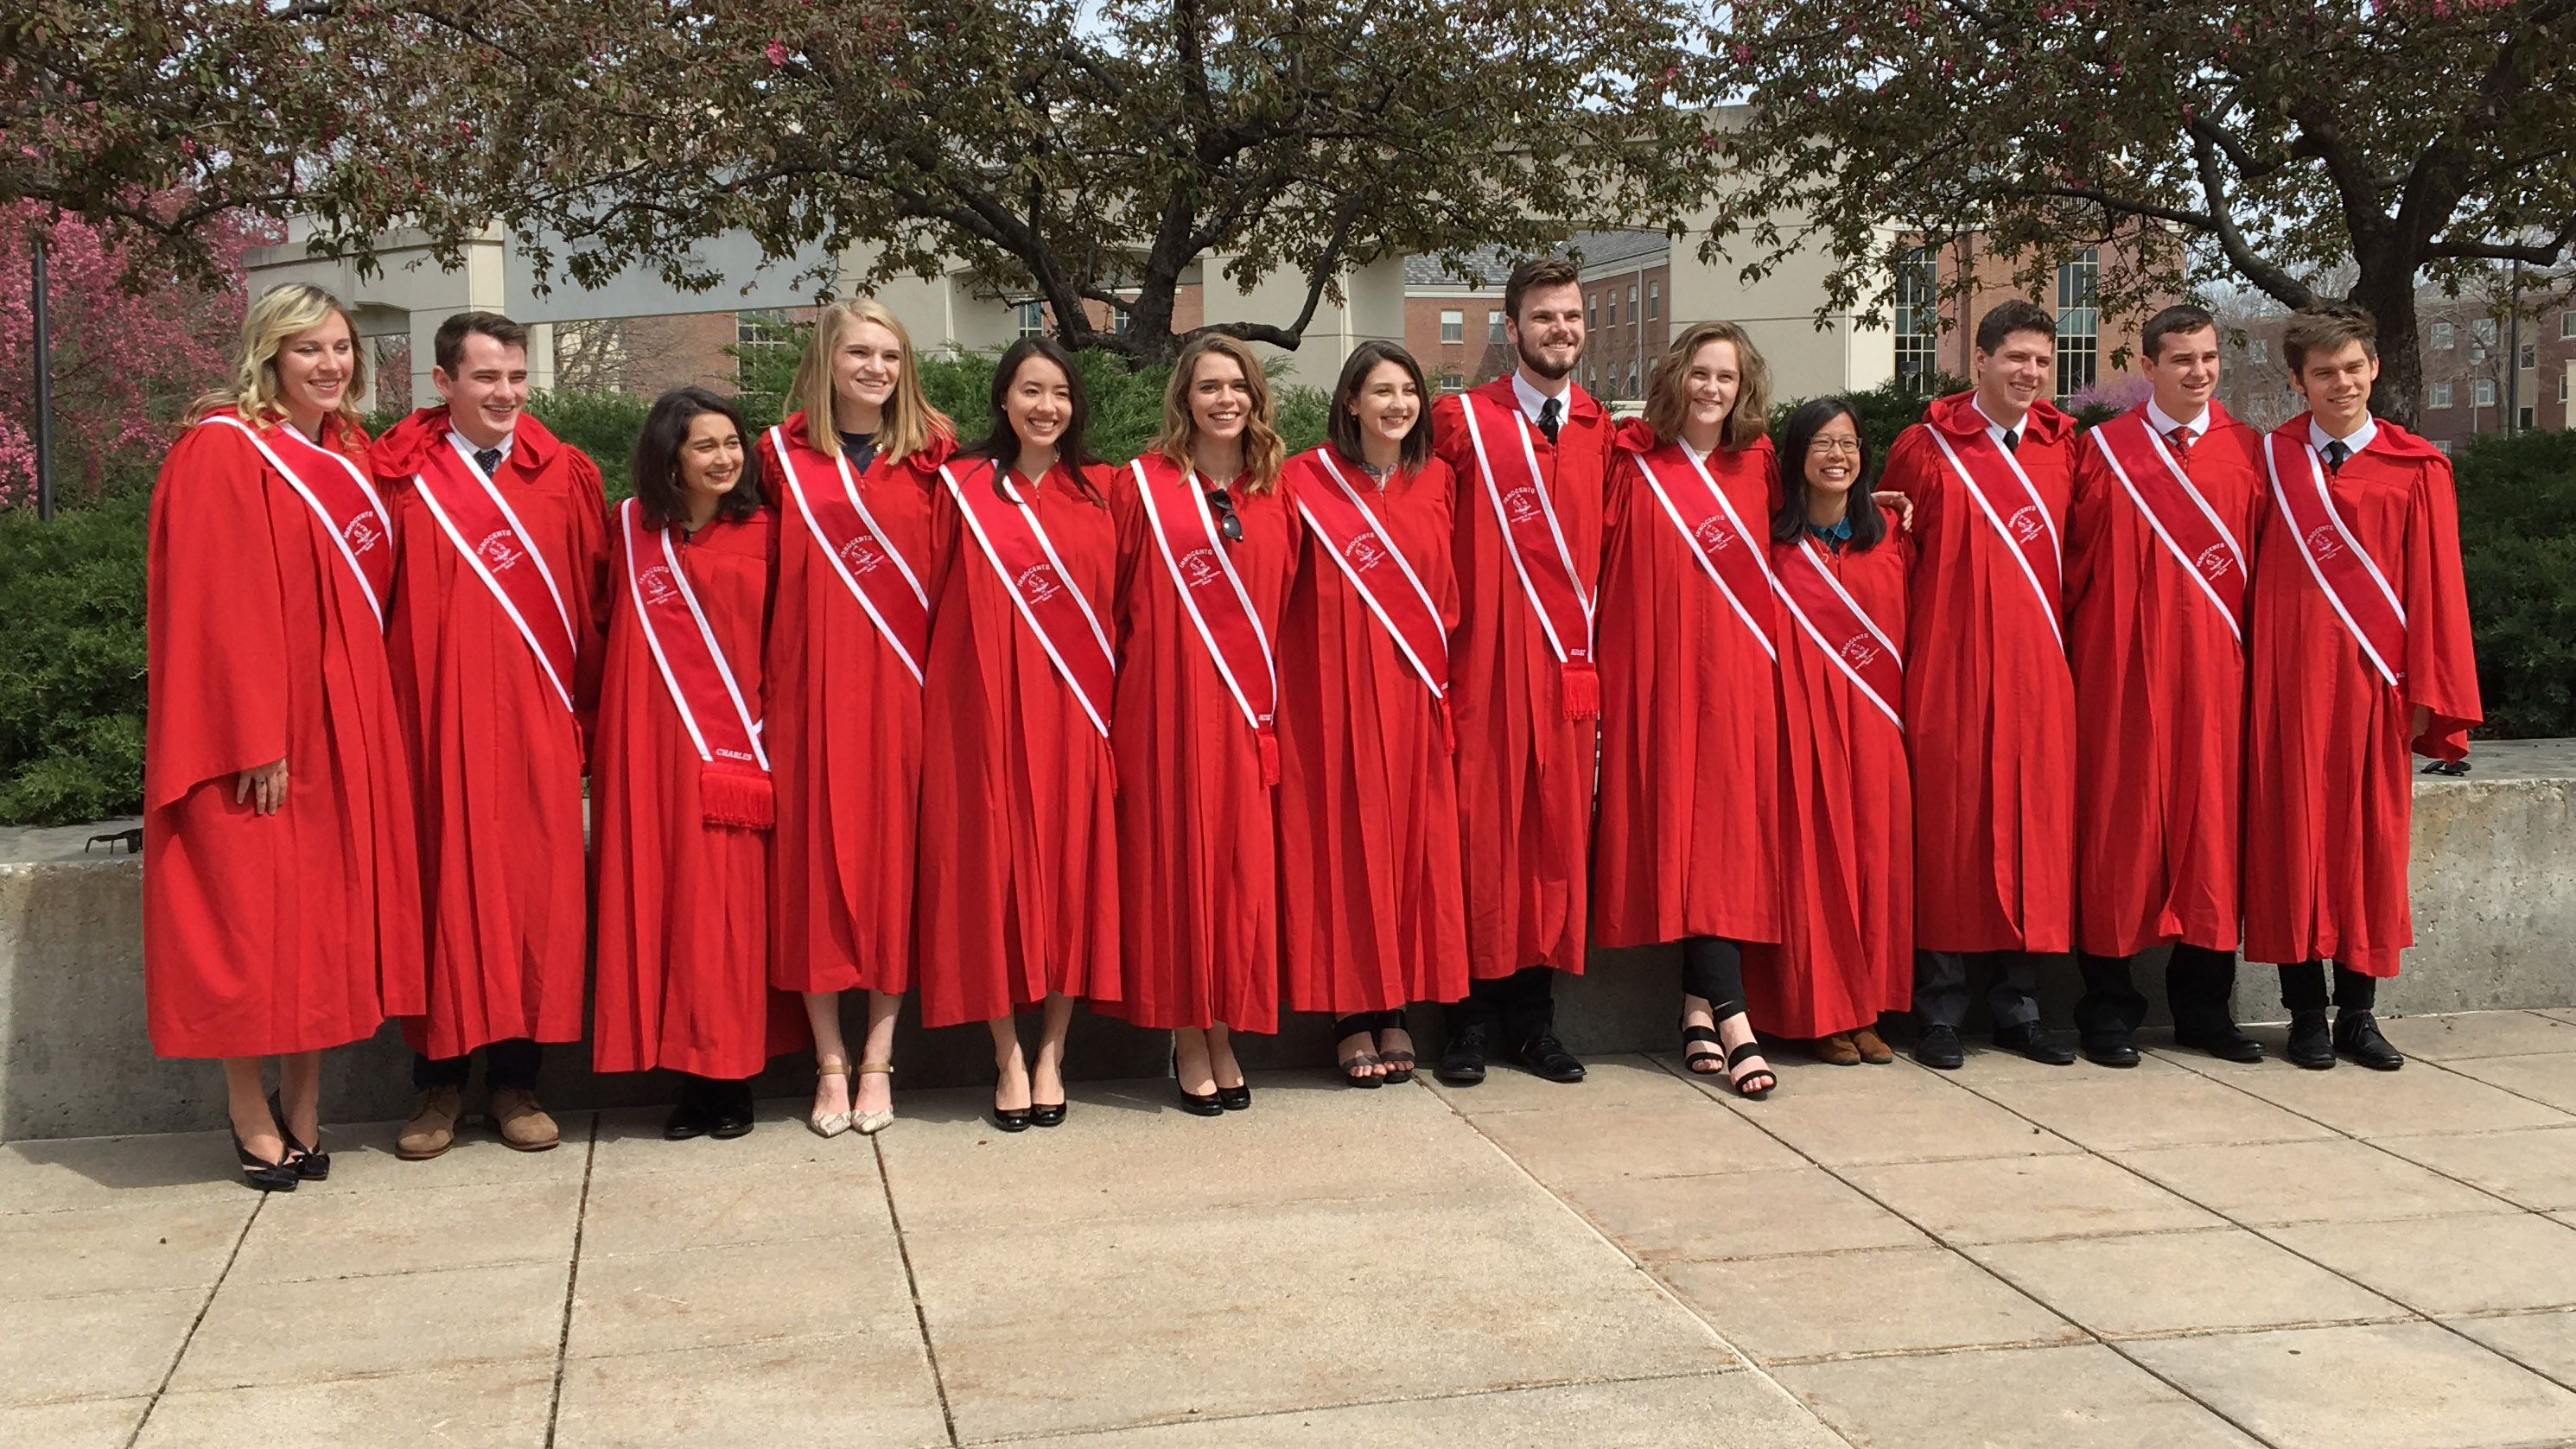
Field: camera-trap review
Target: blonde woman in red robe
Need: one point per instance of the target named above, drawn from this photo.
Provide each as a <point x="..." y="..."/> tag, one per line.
<point x="1018" y="892"/>
<point x="1207" y="544"/>
<point x="1685" y="845"/>
<point x="851" y="472"/>
<point x="1372" y="901"/>
<point x="280" y="905"/>
<point x="680" y="785"/>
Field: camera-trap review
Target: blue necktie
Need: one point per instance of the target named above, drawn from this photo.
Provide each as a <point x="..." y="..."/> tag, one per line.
<point x="487" y="459"/>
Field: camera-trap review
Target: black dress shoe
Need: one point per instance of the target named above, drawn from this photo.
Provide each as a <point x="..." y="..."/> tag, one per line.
<point x="692" y="1118"/>
<point x="1046" y="1114"/>
<point x="263" y="1174"/>
<point x="2356" y="1035"/>
<point x="2311" y="1043"/>
<point x="1462" y="1062"/>
<point x="1011" y="1119"/>
<point x="2038" y="1043"/>
<point x="730" y="1115"/>
<point x="1235" y="1099"/>
<point x="1938" y="1046"/>
<point x="1547" y="1057"/>
<point x="2111" y="1051"/>
<point x="311" y="1164"/>
<point x="1199" y="1104"/>
<point x="2224" y="1042"/>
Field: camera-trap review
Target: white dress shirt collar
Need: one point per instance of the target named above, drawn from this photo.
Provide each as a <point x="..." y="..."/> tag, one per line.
<point x="1995" y="430"/>
<point x="2359" y="439"/>
<point x="2164" y="424"/>
<point x="468" y="444"/>
<point x="1531" y="399"/>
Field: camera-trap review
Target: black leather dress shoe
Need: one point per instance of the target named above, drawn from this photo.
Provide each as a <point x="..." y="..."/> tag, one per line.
<point x="1938" y="1046"/>
<point x="2356" y="1035"/>
<point x="730" y="1115"/>
<point x="1462" y="1062"/>
<point x="691" y="1118"/>
<point x="2227" y="1043"/>
<point x="1047" y="1114"/>
<point x="2111" y="1051"/>
<point x="1547" y="1057"/>
<point x="2311" y="1044"/>
<point x="2041" y="1045"/>
<point x="1235" y="1099"/>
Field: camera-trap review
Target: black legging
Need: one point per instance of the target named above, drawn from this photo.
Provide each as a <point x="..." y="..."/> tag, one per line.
<point x="1713" y="970"/>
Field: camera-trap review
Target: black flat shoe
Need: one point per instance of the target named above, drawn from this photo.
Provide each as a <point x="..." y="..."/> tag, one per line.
<point x="1199" y="1106"/>
<point x="310" y="1164"/>
<point x="2356" y="1035"/>
<point x="263" y="1174"/>
<point x="2036" y="1042"/>
<point x="1046" y="1114"/>
<point x="2226" y="1043"/>
<point x="2311" y="1044"/>
<point x="1547" y="1057"/>
<point x="1235" y="1099"/>
<point x="1462" y="1062"/>
<point x="1938" y="1047"/>
<point x="692" y="1118"/>
<point x="732" y="1116"/>
<point x="2111" y="1051"/>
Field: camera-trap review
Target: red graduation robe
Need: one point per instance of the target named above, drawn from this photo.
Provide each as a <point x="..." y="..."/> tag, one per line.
<point x="2159" y="700"/>
<point x="497" y="758"/>
<point x="1690" y="723"/>
<point x="1525" y="770"/>
<point x="844" y="738"/>
<point x="1846" y="951"/>
<point x="1198" y="877"/>
<point x="2329" y="788"/>
<point x="1989" y="704"/>
<point x="1018" y="895"/>
<point x="1371" y="904"/>
<point x="683" y="903"/>
<point x="298" y="930"/>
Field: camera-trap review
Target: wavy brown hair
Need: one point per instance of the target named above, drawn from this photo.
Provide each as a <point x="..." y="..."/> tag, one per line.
<point x="1263" y="451"/>
<point x="1668" y="391"/>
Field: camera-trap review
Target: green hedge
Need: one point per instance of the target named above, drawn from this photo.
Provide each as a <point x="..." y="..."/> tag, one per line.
<point x="71" y="662"/>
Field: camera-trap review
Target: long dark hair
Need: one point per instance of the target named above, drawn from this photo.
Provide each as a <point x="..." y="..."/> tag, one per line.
<point x="1868" y="526"/>
<point x="656" y="461"/>
<point x="1343" y="424"/>
<point x="1003" y="445"/>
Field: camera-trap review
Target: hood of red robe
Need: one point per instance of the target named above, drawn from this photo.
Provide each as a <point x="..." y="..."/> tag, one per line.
<point x="941" y="445"/>
<point x="1958" y="416"/>
<point x="2390" y="439"/>
<point x="401" y="452"/>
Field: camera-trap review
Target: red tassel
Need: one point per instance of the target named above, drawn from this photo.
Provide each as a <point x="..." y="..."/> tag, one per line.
<point x="1269" y="741"/>
<point x="1448" y="727"/>
<point x="737" y="797"/>
<point x="1582" y="689"/>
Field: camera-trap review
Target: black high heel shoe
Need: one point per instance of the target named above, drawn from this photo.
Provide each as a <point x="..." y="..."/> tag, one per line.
<point x="310" y="1163"/>
<point x="263" y="1174"/>
<point x="1210" y="1104"/>
<point x="1234" y="1099"/>
<point x="1011" y="1119"/>
<point x="1046" y="1114"/>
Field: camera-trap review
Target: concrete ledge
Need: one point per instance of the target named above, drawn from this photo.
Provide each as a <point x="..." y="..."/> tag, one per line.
<point x="2494" y="862"/>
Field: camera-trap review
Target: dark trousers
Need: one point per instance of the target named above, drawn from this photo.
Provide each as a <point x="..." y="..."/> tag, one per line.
<point x="2303" y="987"/>
<point x="1713" y="971"/>
<point x="1519" y="1008"/>
<point x="507" y="1065"/>
<point x="1345" y="1027"/>
<point x="2200" y="986"/>
<point x="1941" y="986"/>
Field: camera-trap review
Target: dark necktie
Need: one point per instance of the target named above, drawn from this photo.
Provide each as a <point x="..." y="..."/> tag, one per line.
<point x="1550" y="413"/>
<point x="487" y="459"/>
<point x="2180" y="441"/>
<point x="2336" y="452"/>
<point x="2012" y="440"/>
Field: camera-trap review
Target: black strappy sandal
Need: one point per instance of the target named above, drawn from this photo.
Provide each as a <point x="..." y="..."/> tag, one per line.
<point x="1351" y="1066"/>
<point x="1399" y="1067"/>
<point x="311" y="1164"/>
<point x="1692" y="1035"/>
<point x="1736" y="1058"/>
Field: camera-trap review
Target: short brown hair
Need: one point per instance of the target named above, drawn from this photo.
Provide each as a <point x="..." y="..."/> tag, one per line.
<point x="1342" y="423"/>
<point x="1537" y="272"/>
<point x="2179" y="320"/>
<point x="2004" y="319"/>
<point x="2326" y="327"/>
<point x="1668" y="391"/>
<point x="449" y="349"/>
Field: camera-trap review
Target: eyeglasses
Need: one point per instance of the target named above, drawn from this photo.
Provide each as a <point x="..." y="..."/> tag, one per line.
<point x="1221" y="503"/>
<point x="1834" y="445"/>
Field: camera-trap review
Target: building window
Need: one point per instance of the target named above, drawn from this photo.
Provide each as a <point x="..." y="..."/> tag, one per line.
<point x="1452" y="382"/>
<point x="1033" y="319"/>
<point x="1632" y="379"/>
<point x="2530" y="356"/>
<point x="1121" y="321"/>
<point x="2443" y="445"/>
<point x="2441" y="395"/>
<point x="2566" y="326"/>
<point x="1655" y="309"/>
<point x="1592" y="310"/>
<point x="2486" y="392"/>
<point x="2444" y="337"/>
<point x="1632" y="306"/>
<point x="1453" y="326"/>
<point x="1614" y="306"/>
<point x="1918" y="318"/>
<point x="2078" y="322"/>
<point x="2562" y="387"/>
<point x="1494" y="327"/>
<point x="2484" y="329"/>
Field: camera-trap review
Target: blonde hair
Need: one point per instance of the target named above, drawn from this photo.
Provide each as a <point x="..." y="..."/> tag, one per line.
<point x="1668" y="391"/>
<point x="282" y="312"/>
<point x="909" y="421"/>
<point x="1263" y="451"/>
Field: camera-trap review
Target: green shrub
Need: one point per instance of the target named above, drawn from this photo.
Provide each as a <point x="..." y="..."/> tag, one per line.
<point x="2518" y="550"/>
<point x="1885" y="411"/>
<point x="602" y="424"/>
<point x="72" y="662"/>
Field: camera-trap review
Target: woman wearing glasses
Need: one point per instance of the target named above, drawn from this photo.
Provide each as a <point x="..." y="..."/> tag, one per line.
<point x="1690" y="728"/>
<point x="1206" y="548"/>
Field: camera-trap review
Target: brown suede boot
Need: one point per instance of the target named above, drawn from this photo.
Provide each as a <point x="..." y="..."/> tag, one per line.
<point x="1872" y="1048"/>
<point x="432" y="1128"/>
<point x="523" y="1124"/>
<point x="1836" y="1050"/>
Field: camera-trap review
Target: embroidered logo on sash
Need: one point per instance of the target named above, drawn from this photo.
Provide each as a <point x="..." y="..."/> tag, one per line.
<point x="496" y="551"/>
<point x="2323" y="543"/>
<point x="2214" y="561"/>
<point x="362" y="534"/>
<point x="860" y="556"/>
<point x="1038" y="584"/>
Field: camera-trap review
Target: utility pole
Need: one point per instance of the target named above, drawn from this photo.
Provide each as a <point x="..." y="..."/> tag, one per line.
<point x="2513" y="353"/>
<point x="44" y="387"/>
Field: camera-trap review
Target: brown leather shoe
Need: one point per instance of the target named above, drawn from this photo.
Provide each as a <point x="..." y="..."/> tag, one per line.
<point x="1836" y="1050"/>
<point x="1873" y="1049"/>
<point x="432" y="1128"/>
<point x="523" y="1125"/>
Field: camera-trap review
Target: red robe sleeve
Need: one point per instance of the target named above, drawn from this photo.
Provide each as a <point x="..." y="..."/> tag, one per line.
<point x="216" y="619"/>
<point x="2441" y="661"/>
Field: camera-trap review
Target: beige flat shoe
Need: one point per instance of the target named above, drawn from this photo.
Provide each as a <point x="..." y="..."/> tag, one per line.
<point x="830" y="1124"/>
<point x="870" y="1124"/>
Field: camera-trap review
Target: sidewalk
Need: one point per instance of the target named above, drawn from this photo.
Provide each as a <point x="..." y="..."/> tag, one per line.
<point x="2185" y="1254"/>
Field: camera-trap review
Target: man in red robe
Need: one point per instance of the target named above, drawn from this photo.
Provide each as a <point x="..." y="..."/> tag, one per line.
<point x="1530" y="451"/>
<point x="2157" y="545"/>
<point x="498" y="608"/>
<point x="1989" y="705"/>
<point x="2361" y="651"/>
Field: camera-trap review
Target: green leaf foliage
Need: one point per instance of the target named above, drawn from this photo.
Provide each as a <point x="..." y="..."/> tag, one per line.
<point x="2518" y="550"/>
<point x="72" y="662"/>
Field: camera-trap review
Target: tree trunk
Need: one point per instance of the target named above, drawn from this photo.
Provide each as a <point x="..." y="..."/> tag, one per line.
<point x="2386" y="290"/>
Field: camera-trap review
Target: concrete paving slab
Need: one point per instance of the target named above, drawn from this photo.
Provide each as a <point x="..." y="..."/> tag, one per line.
<point x="2380" y="1386"/>
<point x="751" y="1293"/>
<point x="1897" y="1300"/>
<point x="2545" y="1343"/>
<point x="1578" y="1145"/>
<point x="2271" y="1184"/>
<point x="1922" y="1125"/>
<point x="2003" y="1199"/>
<point x="2158" y="1283"/>
<point x="95" y="1172"/>
<point x="2463" y="1036"/>
<point x="660" y="1212"/>
<point x="1608" y="1081"/>
<point x="353" y="1234"/>
<point x="2365" y="1103"/>
<point x="362" y="1159"/>
<point x="1700" y="1409"/>
<point x="488" y="1406"/>
<point x="1349" y="1302"/>
<point x="2084" y="1397"/>
<point x="317" y="1330"/>
<point x="2442" y="1267"/>
<point x="2534" y="1169"/>
<point x="2550" y="1078"/>
<point x="871" y="1389"/>
<point x="88" y="1424"/>
<point x="630" y="1143"/>
<point x="2169" y="1107"/>
<point x="1803" y="1076"/>
<point x="95" y="1346"/>
<point x="181" y="1244"/>
<point x="1739" y="1215"/>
